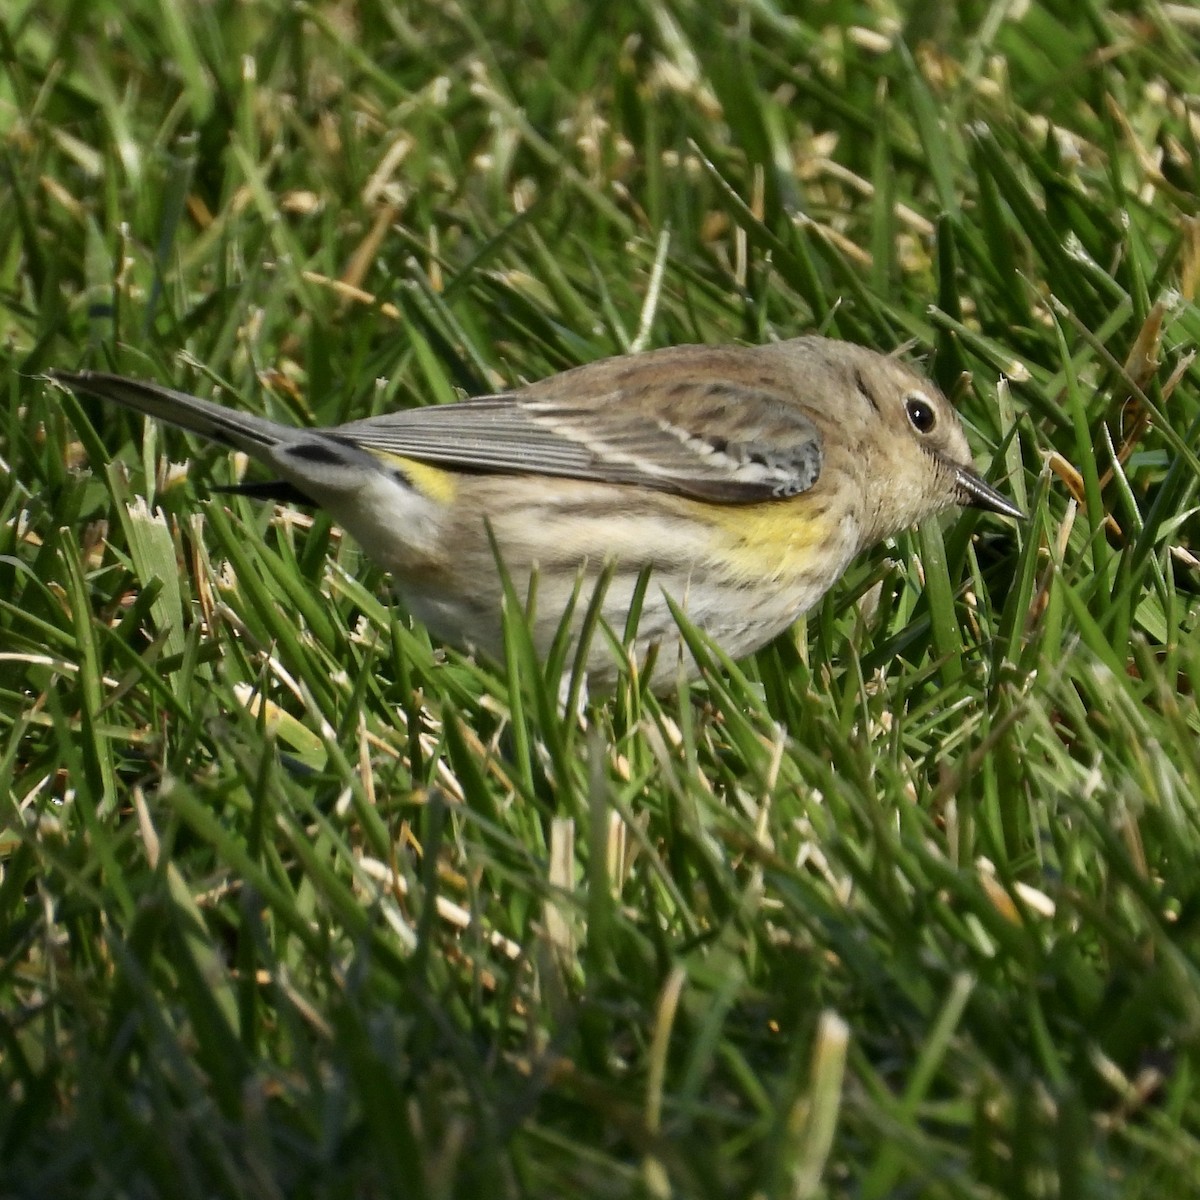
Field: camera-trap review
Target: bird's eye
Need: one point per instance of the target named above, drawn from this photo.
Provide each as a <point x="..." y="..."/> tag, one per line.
<point x="920" y="412"/>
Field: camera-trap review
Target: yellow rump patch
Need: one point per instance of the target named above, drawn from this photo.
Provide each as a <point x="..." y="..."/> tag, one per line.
<point x="432" y="482"/>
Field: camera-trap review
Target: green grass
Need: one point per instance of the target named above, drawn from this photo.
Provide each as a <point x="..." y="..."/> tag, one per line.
<point x="296" y="903"/>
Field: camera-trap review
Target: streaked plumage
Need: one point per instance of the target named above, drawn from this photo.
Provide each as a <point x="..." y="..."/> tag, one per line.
<point x="746" y="478"/>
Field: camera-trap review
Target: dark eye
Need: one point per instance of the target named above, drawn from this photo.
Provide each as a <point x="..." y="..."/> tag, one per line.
<point x="920" y="412"/>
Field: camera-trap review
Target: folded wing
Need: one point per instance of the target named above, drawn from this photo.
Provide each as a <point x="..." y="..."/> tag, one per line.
<point x="713" y="441"/>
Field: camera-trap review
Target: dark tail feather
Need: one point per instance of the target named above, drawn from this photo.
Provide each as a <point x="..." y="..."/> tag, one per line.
<point x="277" y="490"/>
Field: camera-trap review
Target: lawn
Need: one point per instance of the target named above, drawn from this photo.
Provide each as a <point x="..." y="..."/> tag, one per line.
<point x="296" y="902"/>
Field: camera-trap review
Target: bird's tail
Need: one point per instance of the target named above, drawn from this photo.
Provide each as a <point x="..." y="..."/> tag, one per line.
<point x="316" y="466"/>
<point x="242" y="431"/>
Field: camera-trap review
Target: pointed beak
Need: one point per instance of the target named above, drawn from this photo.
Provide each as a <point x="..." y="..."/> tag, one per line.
<point x="975" y="493"/>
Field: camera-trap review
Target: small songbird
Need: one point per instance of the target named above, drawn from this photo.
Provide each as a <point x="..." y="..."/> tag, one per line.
<point x="744" y="479"/>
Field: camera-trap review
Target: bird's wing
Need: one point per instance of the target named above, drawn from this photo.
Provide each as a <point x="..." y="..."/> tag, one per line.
<point x="709" y="440"/>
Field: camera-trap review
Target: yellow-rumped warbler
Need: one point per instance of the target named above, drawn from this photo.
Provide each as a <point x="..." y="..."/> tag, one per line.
<point x="744" y="478"/>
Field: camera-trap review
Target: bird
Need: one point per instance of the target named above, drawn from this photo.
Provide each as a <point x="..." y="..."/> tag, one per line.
<point x="735" y="483"/>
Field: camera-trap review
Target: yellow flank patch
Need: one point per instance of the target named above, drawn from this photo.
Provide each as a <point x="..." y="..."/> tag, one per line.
<point x="773" y="540"/>
<point x="432" y="482"/>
